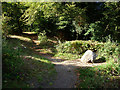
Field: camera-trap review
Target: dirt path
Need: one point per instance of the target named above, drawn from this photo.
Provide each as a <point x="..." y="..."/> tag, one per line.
<point x="66" y="76"/>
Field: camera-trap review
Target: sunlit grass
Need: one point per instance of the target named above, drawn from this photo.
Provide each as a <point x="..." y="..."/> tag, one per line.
<point x="98" y="76"/>
<point x="20" y="38"/>
<point x="34" y="66"/>
<point x="45" y="51"/>
<point x="38" y="58"/>
<point x="30" y="32"/>
<point x="68" y="56"/>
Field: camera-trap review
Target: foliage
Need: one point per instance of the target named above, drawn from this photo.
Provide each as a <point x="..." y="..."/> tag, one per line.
<point x="53" y="17"/>
<point x="71" y="21"/>
<point x="21" y="64"/>
<point x="93" y="21"/>
<point x="106" y="74"/>
<point x="96" y="77"/>
<point x="110" y="50"/>
<point x="67" y="56"/>
<point x="112" y="17"/>
<point x="42" y="37"/>
<point x="78" y="46"/>
<point x="111" y="69"/>
<point x="108" y="25"/>
<point x="12" y="62"/>
<point x="96" y="30"/>
<point x="11" y="13"/>
<point x="37" y="18"/>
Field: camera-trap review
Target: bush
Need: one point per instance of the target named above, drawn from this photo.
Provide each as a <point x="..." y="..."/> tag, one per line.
<point x="111" y="52"/>
<point x="106" y="74"/>
<point x="42" y="37"/>
<point x="110" y="49"/>
<point x="77" y="46"/>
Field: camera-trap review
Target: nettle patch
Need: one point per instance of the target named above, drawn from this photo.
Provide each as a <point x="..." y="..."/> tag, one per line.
<point x="78" y="46"/>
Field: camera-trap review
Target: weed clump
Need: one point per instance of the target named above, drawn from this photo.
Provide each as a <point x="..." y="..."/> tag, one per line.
<point x="42" y="37"/>
<point x="77" y="46"/>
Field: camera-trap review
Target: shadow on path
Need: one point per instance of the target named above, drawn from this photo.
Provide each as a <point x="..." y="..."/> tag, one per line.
<point x="66" y="76"/>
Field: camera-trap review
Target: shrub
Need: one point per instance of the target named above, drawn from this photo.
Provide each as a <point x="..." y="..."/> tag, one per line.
<point x="111" y="52"/>
<point x="106" y="73"/>
<point x="77" y="46"/>
<point x="42" y="37"/>
<point x="110" y="49"/>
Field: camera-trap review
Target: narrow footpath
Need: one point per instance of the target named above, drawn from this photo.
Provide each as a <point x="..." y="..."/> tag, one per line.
<point x="66" y="75"/>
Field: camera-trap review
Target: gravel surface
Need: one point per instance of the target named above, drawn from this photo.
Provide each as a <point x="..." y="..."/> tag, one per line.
<point x="66" y="76"/>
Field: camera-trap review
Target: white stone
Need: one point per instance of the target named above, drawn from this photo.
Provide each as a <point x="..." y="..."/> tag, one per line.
<point x="88" y="56"/>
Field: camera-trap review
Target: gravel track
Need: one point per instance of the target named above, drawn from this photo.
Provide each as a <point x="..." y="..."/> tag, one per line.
<point x="66" y="76"/>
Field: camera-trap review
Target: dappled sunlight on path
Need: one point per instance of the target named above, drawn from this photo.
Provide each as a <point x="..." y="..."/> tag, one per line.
<point x="20" y="37"/>
<point x="66" y="75"/>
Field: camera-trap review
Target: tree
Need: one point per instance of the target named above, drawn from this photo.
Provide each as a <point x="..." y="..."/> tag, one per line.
<point x="67" y="20"/>
<point x="108" y="24"/>
<point x="59" y="15"/>
<point x="11" y="13"/>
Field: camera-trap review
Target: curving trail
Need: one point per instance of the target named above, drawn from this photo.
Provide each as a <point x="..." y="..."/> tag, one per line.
<point x="66" y="75"/>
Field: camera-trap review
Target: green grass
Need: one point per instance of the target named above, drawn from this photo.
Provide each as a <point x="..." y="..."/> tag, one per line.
<point x="30" y="32"/>
<point x="103" y="76"/>
<point x="15" y="84"/>
<point x="68" y="56"/>
<point x="32" y="65"/>
<point x="97" y="77"/>
<point x="90" y="77"/>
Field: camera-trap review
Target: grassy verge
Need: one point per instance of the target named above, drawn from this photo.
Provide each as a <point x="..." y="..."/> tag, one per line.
<point x="21" y="65"/>
<point x="97" y="77"/>
<point x="104" y="76"/>
<point x="68" y="56"/>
